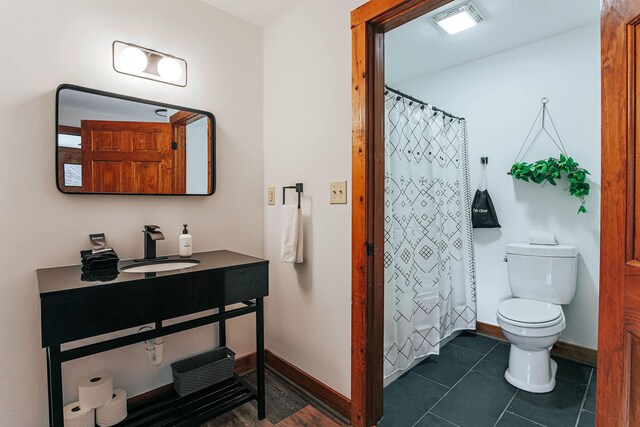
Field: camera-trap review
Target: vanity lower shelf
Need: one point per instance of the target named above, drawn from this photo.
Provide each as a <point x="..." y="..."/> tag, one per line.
<point x="192" y="410"/>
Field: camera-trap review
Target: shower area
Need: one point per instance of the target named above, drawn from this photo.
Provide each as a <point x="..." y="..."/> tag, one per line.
<point x="429" y="263"/>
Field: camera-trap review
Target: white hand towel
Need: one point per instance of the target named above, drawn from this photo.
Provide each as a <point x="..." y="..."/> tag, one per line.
<point x="542" y="238"/>
<point x="291" y="238"/>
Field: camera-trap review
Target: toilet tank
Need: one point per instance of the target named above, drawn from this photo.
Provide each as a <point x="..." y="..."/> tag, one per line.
<point x="543" y="272"/>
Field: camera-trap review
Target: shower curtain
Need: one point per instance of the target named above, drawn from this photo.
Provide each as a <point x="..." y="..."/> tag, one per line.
<point x="429" y="264"/>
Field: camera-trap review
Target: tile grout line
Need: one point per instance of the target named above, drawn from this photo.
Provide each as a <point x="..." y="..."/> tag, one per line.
<point x="505" y="408"/>
<point x="470" y="349"/>
<point x="429" y="379"/>
<point x="573" y="380"/>
<point x="584" y="398"/>
<point x="525" y="418"/>
<point x="452" y="387"/>
<point x="443" y="419"/>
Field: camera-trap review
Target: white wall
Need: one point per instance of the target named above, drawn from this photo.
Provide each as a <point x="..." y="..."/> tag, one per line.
<point x="46" y="43"/>
<point x="500" y="97"/>
<point x="307" y="138"/>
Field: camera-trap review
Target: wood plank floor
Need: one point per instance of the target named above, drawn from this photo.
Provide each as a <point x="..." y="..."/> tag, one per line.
<point x="286" y="407"/>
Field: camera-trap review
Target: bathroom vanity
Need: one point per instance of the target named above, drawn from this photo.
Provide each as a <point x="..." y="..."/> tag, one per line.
<point x="73" y="309"/>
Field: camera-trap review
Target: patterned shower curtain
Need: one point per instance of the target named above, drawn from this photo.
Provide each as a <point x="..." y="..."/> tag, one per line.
<point x="429" y="261"/>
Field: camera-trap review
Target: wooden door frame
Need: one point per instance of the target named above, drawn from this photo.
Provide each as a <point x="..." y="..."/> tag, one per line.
<point x="179" y="122"/>
<point x="618" y="250"/>
<point x="369" y="22"/>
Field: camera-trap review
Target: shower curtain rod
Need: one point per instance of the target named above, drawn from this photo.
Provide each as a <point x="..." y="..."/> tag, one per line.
<point x="404" y="95"/>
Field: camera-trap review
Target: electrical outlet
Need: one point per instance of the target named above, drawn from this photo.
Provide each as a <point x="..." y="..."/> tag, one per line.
<point x="338" y="192"/>
<point x="271" y="195"/>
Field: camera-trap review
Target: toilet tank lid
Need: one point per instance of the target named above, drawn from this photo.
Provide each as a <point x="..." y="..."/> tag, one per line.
<point x="561" y="251"/>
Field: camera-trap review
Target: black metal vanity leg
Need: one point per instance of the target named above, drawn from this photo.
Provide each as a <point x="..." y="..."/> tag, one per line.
<point x="222" y="330"/>
<point x="260" y="356"/>
<point x="49" y="387"/>
<point x="54" y="376"/>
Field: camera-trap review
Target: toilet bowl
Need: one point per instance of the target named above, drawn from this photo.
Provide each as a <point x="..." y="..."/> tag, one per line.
<point x="532" y="327"/>
<point x="541" y="278"/>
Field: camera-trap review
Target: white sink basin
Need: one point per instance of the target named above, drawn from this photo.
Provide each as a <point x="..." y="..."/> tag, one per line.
<point x="156" y="267"/>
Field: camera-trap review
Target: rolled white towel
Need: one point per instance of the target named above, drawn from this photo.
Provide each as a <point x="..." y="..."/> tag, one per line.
<point x="542" y="238"/>
<point x="291" y="238"/>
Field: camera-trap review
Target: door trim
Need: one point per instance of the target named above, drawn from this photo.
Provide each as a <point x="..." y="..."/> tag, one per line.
<point x="618" y="250"/>
<point x="369" y="22"/>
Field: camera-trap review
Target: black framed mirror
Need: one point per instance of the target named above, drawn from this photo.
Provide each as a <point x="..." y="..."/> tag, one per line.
<point x="108" y="143"/>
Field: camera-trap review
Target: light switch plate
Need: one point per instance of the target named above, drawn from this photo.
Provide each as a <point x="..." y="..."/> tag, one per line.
<point x="338" y="192"/>
<point x="271" y="195"/>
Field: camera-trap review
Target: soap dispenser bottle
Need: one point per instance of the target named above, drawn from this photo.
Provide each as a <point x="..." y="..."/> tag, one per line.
<point x="185" y="249"/>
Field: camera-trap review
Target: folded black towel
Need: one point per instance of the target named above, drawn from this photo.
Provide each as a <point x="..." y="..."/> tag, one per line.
<point x="101" y="260"/>
<point x="99" y="274"/>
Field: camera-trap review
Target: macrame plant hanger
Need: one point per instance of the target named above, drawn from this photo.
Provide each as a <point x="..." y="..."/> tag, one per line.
<point x="543" y="171"/>
<point x="544" y="118"/>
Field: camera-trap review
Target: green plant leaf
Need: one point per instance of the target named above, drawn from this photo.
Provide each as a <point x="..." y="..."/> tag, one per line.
<point x="552" y="169"/>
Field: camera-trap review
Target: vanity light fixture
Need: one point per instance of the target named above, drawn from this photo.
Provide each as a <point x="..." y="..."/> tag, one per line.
<point x="139" y="61"/>
<point x="459" y="18"/>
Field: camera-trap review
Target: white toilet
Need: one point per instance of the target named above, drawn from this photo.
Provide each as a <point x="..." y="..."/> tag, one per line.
<point x="541" y="278"/>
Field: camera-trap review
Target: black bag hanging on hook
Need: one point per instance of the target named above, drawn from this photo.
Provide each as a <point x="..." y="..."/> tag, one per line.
<point x="483" y="214"/>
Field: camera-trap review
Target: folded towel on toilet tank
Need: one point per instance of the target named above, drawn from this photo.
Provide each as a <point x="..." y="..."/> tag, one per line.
<point x="542" y="238"/>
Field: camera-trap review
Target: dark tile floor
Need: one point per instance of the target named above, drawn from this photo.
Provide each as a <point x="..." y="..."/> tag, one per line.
<point x="464" y="386"/>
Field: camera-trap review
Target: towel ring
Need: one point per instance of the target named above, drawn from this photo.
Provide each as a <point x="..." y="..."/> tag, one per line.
<point x="297" y="187"/>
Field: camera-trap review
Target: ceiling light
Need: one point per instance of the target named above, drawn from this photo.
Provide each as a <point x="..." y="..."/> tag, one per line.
<point x="458" y="18"/>
<point x="149" y="64"/>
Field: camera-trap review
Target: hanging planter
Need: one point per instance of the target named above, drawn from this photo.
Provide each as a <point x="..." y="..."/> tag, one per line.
<point x="552" y="169"/>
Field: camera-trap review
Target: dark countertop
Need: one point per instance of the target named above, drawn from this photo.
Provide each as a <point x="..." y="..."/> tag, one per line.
<point x="58" y="279"/>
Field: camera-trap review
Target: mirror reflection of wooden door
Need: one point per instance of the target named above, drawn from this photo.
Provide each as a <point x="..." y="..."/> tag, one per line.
<point x="127" y="157"/>
<point x="618" y="382"/>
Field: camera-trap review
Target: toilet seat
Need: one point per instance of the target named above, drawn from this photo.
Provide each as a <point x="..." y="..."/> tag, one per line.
<point x="530" y="313"/>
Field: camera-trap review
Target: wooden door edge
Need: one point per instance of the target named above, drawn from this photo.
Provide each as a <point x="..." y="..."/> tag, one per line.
<point x="616" y="245"/>
<point x="373" y="18"/>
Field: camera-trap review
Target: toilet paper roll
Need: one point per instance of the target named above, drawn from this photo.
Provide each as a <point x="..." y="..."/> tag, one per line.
<point x="95" y="391"/>
<point x="114" y="411"/>
<point x="75" y="416"/>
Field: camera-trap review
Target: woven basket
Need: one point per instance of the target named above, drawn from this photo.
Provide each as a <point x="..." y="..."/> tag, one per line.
<point x="202" y="370"/>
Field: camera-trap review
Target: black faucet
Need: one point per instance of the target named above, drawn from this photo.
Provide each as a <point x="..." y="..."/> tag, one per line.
<point x="151" y="234"/>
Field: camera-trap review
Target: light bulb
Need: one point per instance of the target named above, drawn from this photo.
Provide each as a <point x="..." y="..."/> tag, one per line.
<point x="169" y="69"/>
<point x="133" y="60"/>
